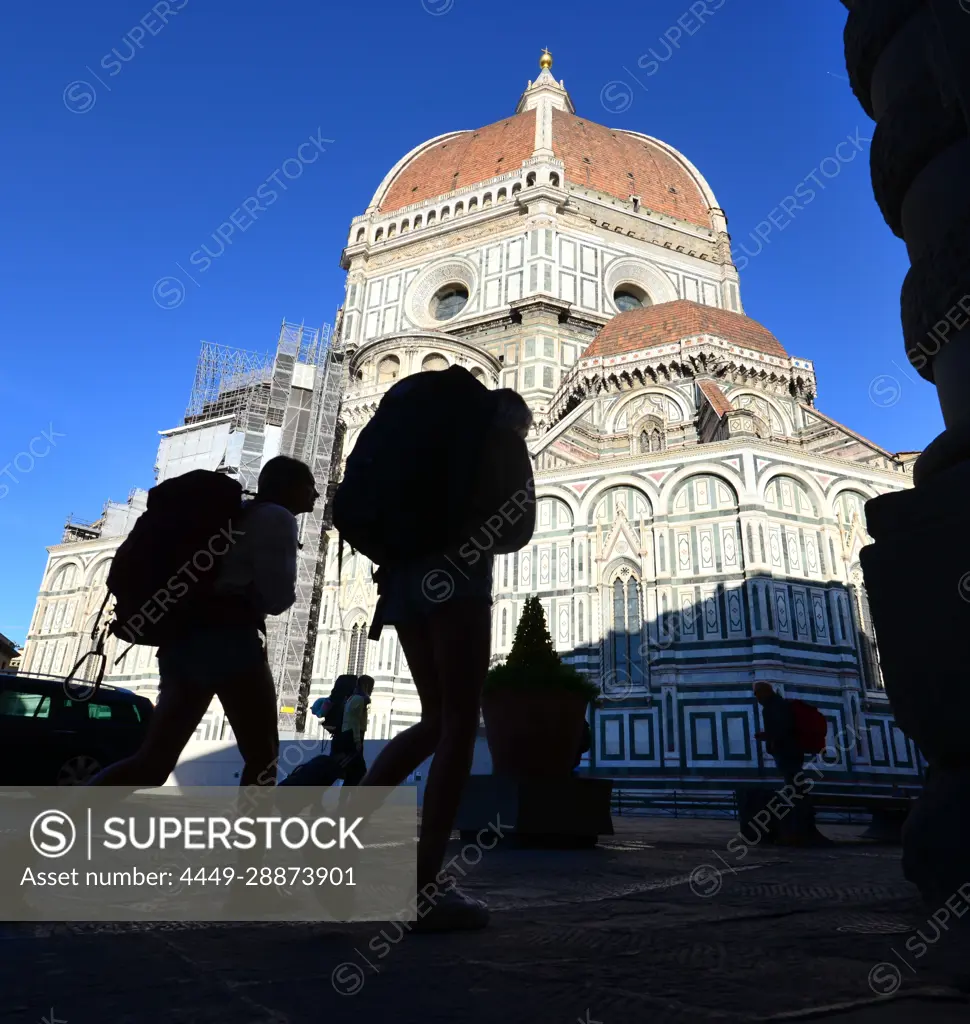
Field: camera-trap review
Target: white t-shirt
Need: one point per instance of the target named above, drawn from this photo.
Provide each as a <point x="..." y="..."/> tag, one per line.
<point x="262" y="563"/>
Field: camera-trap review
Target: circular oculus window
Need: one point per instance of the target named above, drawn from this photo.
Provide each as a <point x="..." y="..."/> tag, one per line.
<point x="628" y="297"/>
<point x="449" y="301"/>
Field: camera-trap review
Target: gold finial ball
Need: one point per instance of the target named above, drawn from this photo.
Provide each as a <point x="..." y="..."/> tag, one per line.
<point x="545" y="61"/>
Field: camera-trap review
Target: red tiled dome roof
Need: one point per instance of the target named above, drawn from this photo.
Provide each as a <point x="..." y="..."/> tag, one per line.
<point x="461" y="160"/>
<point x="668" y="322"/>
<point x="624" y="165"/>
<point x="612" y="162"/>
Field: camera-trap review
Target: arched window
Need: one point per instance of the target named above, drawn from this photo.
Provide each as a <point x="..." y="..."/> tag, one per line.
<point x="850" y="507"/>
<point x="650" y="435"/>
<point x="98" y="575"/>
<point x="865" y="632"/>
<point x="651" y="440"/>
<point x="64" y="579"/>
<point x="554" y="180"/>
<point x="459" y="209"/>
<point x="357" y="653"/>
<point x="502" y="195"/>
<point x="516" y="188"/>
<point x="530" y="179"/>
<point x="446" y="213"/>
<point x="627" y="622"/>
<point x="417" y="222"/>
<point x="434" y="362"/>
<point x="487" y="199"/>
<point x="472" y="204"/>
<point x="392" y="231"/>
<point x="431" y="217"/>
<point x="378" y="234"/>
<point x="405" y="226"/>
<point x="478" y="373"/>
<point x="360" y="234"/>
<point x="388" y="369"/>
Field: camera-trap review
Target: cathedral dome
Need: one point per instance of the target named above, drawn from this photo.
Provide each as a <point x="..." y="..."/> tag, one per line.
<point x="457" y="161"/>
<point x="670" y="322"/>
<point x="612" y="163"/>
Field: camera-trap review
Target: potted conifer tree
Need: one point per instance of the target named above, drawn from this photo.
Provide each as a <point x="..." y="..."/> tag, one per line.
<point x="535" y="706"/>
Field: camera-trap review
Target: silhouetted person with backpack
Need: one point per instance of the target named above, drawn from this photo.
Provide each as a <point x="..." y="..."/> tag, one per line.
<point x="779" y="734"/>
<point x="438" y="483"/>
<point x="344" y="715"/>
<point x="793" y="730"/>
<point x="209" y="621"/>
<point x="348" y="745"/>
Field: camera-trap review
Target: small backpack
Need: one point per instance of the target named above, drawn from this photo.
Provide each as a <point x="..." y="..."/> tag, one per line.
<point x="811" y="727"/>
<point x="343" y="690"/>
<point x="163" y="573"/>
<point x="408" y="480"/>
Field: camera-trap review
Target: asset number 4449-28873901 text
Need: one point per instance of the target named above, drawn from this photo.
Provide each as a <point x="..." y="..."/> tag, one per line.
<point x="276" y="876"/>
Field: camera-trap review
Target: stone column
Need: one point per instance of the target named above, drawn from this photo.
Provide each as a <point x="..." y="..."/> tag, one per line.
<point x="908" y="65"/>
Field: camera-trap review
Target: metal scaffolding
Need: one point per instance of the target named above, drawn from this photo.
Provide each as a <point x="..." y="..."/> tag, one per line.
<point x="309" y="431"/>
<point x="226" y="381"/>
<point x="298" y="390"/>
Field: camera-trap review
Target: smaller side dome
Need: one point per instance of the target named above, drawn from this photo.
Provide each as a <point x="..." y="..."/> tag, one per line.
<point x="669" y="322"/>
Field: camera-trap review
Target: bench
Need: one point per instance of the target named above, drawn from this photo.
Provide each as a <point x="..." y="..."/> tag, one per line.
<point x="888" y="813"/>
<point x="762" y="809"/>
<point x="675" y="803"/>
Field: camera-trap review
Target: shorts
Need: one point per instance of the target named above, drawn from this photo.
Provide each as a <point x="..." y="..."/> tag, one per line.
<point x="210" y="656"/>
<point x="415" y="590"/>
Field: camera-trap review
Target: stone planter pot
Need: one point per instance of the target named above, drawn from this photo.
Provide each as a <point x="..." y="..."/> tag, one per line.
<point x="534" y="734"/>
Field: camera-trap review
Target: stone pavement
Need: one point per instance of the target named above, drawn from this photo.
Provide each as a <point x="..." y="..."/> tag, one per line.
<point x="651" y="926"/>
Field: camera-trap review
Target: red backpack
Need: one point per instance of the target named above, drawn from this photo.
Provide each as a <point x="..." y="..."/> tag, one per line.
<point x="811" y="727"/>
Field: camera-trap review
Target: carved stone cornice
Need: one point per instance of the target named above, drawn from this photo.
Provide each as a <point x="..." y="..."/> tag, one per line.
<point x="680" y="361"/>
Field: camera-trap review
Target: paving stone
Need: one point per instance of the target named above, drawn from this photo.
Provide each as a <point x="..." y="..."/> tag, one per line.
<point x="621" y="933"/>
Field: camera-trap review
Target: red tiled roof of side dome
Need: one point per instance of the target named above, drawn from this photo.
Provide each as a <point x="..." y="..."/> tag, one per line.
<point x="465" y="159"/>
<point x="668" y="322"/>
<point x="622" y="165"/>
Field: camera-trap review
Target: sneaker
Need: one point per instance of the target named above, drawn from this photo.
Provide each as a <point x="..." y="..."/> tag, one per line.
<point x="453" y="911"/>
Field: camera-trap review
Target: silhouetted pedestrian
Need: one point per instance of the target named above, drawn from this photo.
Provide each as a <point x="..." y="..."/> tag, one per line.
<point x="779" y="735"/>
<point x="219" y="650"/>
<point x="783" y="742"/>
<point x="456" y="455"/>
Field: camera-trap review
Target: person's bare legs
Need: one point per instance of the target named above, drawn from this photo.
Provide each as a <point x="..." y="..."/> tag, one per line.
<point x="461" y="642"/>
<point x="410" y="748"/>
<point x="180" y="708"/>
<point x="447" y="653"/>
<point x="249" y="702"/>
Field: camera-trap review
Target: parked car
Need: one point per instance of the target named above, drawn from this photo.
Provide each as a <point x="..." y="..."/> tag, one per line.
<point x="53" y="734"/>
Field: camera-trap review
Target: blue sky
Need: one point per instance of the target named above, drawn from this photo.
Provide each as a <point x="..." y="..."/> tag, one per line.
<point x="111" y="181"/>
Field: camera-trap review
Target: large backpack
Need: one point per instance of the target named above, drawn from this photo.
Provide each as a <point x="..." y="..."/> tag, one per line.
<point x="411" y="474"/>
<point x="811" y="727"/>
<point x="162" y="575"/>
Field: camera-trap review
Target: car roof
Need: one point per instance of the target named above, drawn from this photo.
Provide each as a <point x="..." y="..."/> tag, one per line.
<point x="43" y="682"/>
